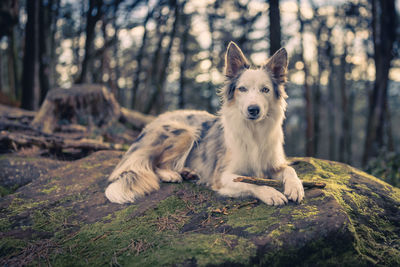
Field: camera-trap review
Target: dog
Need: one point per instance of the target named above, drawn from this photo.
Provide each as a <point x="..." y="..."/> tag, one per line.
<point x="244" y="139"/>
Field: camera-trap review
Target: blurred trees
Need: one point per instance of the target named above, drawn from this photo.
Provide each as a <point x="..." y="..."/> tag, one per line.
<point x="167" y="54"/>
<point x="274" y="26"/>
<point x="384" y="25"/>
<point x="30" y="74"/>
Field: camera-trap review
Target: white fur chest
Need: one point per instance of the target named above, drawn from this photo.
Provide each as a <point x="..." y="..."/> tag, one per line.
<point x="253" y="148"/>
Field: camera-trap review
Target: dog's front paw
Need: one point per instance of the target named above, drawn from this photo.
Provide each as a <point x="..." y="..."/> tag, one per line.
<point x="271" y="196"/>
<point x="293" y="189"/>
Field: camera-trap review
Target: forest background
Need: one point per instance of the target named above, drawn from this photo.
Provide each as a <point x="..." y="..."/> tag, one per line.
<point x="159" y="55"/>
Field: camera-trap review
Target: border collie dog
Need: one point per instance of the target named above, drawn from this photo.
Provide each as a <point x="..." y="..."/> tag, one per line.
<point x="244" y="139"/>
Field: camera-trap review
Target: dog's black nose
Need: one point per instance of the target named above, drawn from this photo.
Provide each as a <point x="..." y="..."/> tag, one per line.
<point x="253" y="111"/>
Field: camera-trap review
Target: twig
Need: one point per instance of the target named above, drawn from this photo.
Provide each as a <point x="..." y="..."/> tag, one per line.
<point x="275" y="183"/>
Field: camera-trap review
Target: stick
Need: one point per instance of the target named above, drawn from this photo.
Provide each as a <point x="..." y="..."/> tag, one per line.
<point x="275" y="183"/>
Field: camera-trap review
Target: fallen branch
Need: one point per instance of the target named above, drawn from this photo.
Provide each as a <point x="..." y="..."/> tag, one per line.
<point x="136" y="119"/>
<point x="8" y="139"/>
<point x="275" y="183"/>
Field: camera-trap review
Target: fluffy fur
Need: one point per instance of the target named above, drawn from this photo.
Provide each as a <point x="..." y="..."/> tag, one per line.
<point x="246" y="138"/>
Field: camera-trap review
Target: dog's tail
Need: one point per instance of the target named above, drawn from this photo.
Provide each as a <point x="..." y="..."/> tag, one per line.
<point x="133" y="177"/>
<point x="156" y="154"/>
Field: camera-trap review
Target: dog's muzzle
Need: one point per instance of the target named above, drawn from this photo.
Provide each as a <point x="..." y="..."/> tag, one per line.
<point x="253" y="112"/>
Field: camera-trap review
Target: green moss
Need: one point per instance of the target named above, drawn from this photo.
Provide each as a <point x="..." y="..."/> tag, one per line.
<point x="158" y="236"/>
<point x="50" y="189"/>
<point x="9" y="245"/>
<point x="305" y="212"/>
<point x="52" y="220"/>
<point x="5" y="224"/>
<point x="90" y="165"/>
<point x="19" y="205"/>
<point x="4" y="191"/>
<point x="197" y="248"/>
<point x="254" y="220"/>
<point x="372" y="231"/>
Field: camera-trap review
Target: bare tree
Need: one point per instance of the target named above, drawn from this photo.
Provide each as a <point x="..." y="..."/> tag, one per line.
<point x="45" y="18"/>
<point x="307" y="92"/>
<point x="274" y="26"/>
<point x="184" y="53"/>
<point x="159" y="86"/>
<point x="139" y="57"/>
<point x="384" y="34"/>
<point x="30" y="75"/>
<point x="94" y="14"/>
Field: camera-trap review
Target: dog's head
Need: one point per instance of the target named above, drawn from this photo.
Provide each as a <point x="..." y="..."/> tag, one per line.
<point x="256" y="92"/>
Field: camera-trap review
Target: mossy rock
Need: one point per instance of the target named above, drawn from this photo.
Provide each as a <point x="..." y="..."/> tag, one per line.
<point x="62" y="218"/>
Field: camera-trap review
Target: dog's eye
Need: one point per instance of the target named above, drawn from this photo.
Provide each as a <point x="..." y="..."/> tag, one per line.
<point x="265" y="90"/>
<point x="242" y="89"/>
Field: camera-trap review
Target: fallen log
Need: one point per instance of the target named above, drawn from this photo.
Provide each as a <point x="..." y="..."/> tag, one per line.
<point x="275" y="183"/>
<point x="13" y="113"/>
<point x="136" y="119"/>
<point x="53" y="142"/>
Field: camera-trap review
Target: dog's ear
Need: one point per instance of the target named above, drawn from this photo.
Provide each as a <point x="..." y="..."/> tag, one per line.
<point x="234" y="60"/>
<point x="277" y="65"/>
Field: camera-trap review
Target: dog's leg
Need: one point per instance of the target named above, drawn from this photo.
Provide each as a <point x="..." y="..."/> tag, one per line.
<point x="173" y="157"/>
<point x="293" y="188"/>
<point x="169" y="176"/>
<point x="267" y="194"/>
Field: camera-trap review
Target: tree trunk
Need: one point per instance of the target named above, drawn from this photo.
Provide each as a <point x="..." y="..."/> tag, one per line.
<point x="343" y="139"/>
<point x="156" y="61"/>
<point x="93" y="15"/>
<point x="274" y="26"/>
<point x="52" y="48"/>
<point x="384" y="34"/>
<point x="44" y="43"/>
<point x="317" y="93"/>
<point x="212" y="14"/>
<point x="11" y="67"/>
<point x="309" y="146"/>
<point x="30" y="75"/>
<point x="9" y="16"/>
<point x="349" y="149"/>
<point x="1" y="72"/>
<point x="164" y="66"/>
<point x="331" y="104"/>
<point x="139" y="59"/>
<point x="115" y="72"/>
<point x="184" y="53"/>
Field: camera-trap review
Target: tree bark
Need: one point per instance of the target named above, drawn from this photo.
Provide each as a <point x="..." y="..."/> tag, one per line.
<point x="52" y="48"/>
<point x="45" y="13"/>
<point x="384" y="34"/>
<point x="274" y="26"/>
<point x="317" y="92"/>
<point x="115" y="72"/>
<point x="139" y="59"/>
<point x="343" y="139"/>
<point x="184" y="54"/>
<point x="9" y="16"/>
<point x="164" y="69"/>
<point x="53" y="142"/>
<point x="93" y="15"/>
<point x="331" y="105"/>
<point x="30" y="77"/>
<point x="309" y="140"/>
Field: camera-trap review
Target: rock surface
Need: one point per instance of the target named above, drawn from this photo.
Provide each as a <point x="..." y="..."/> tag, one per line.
<point x="61" y="218"/>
